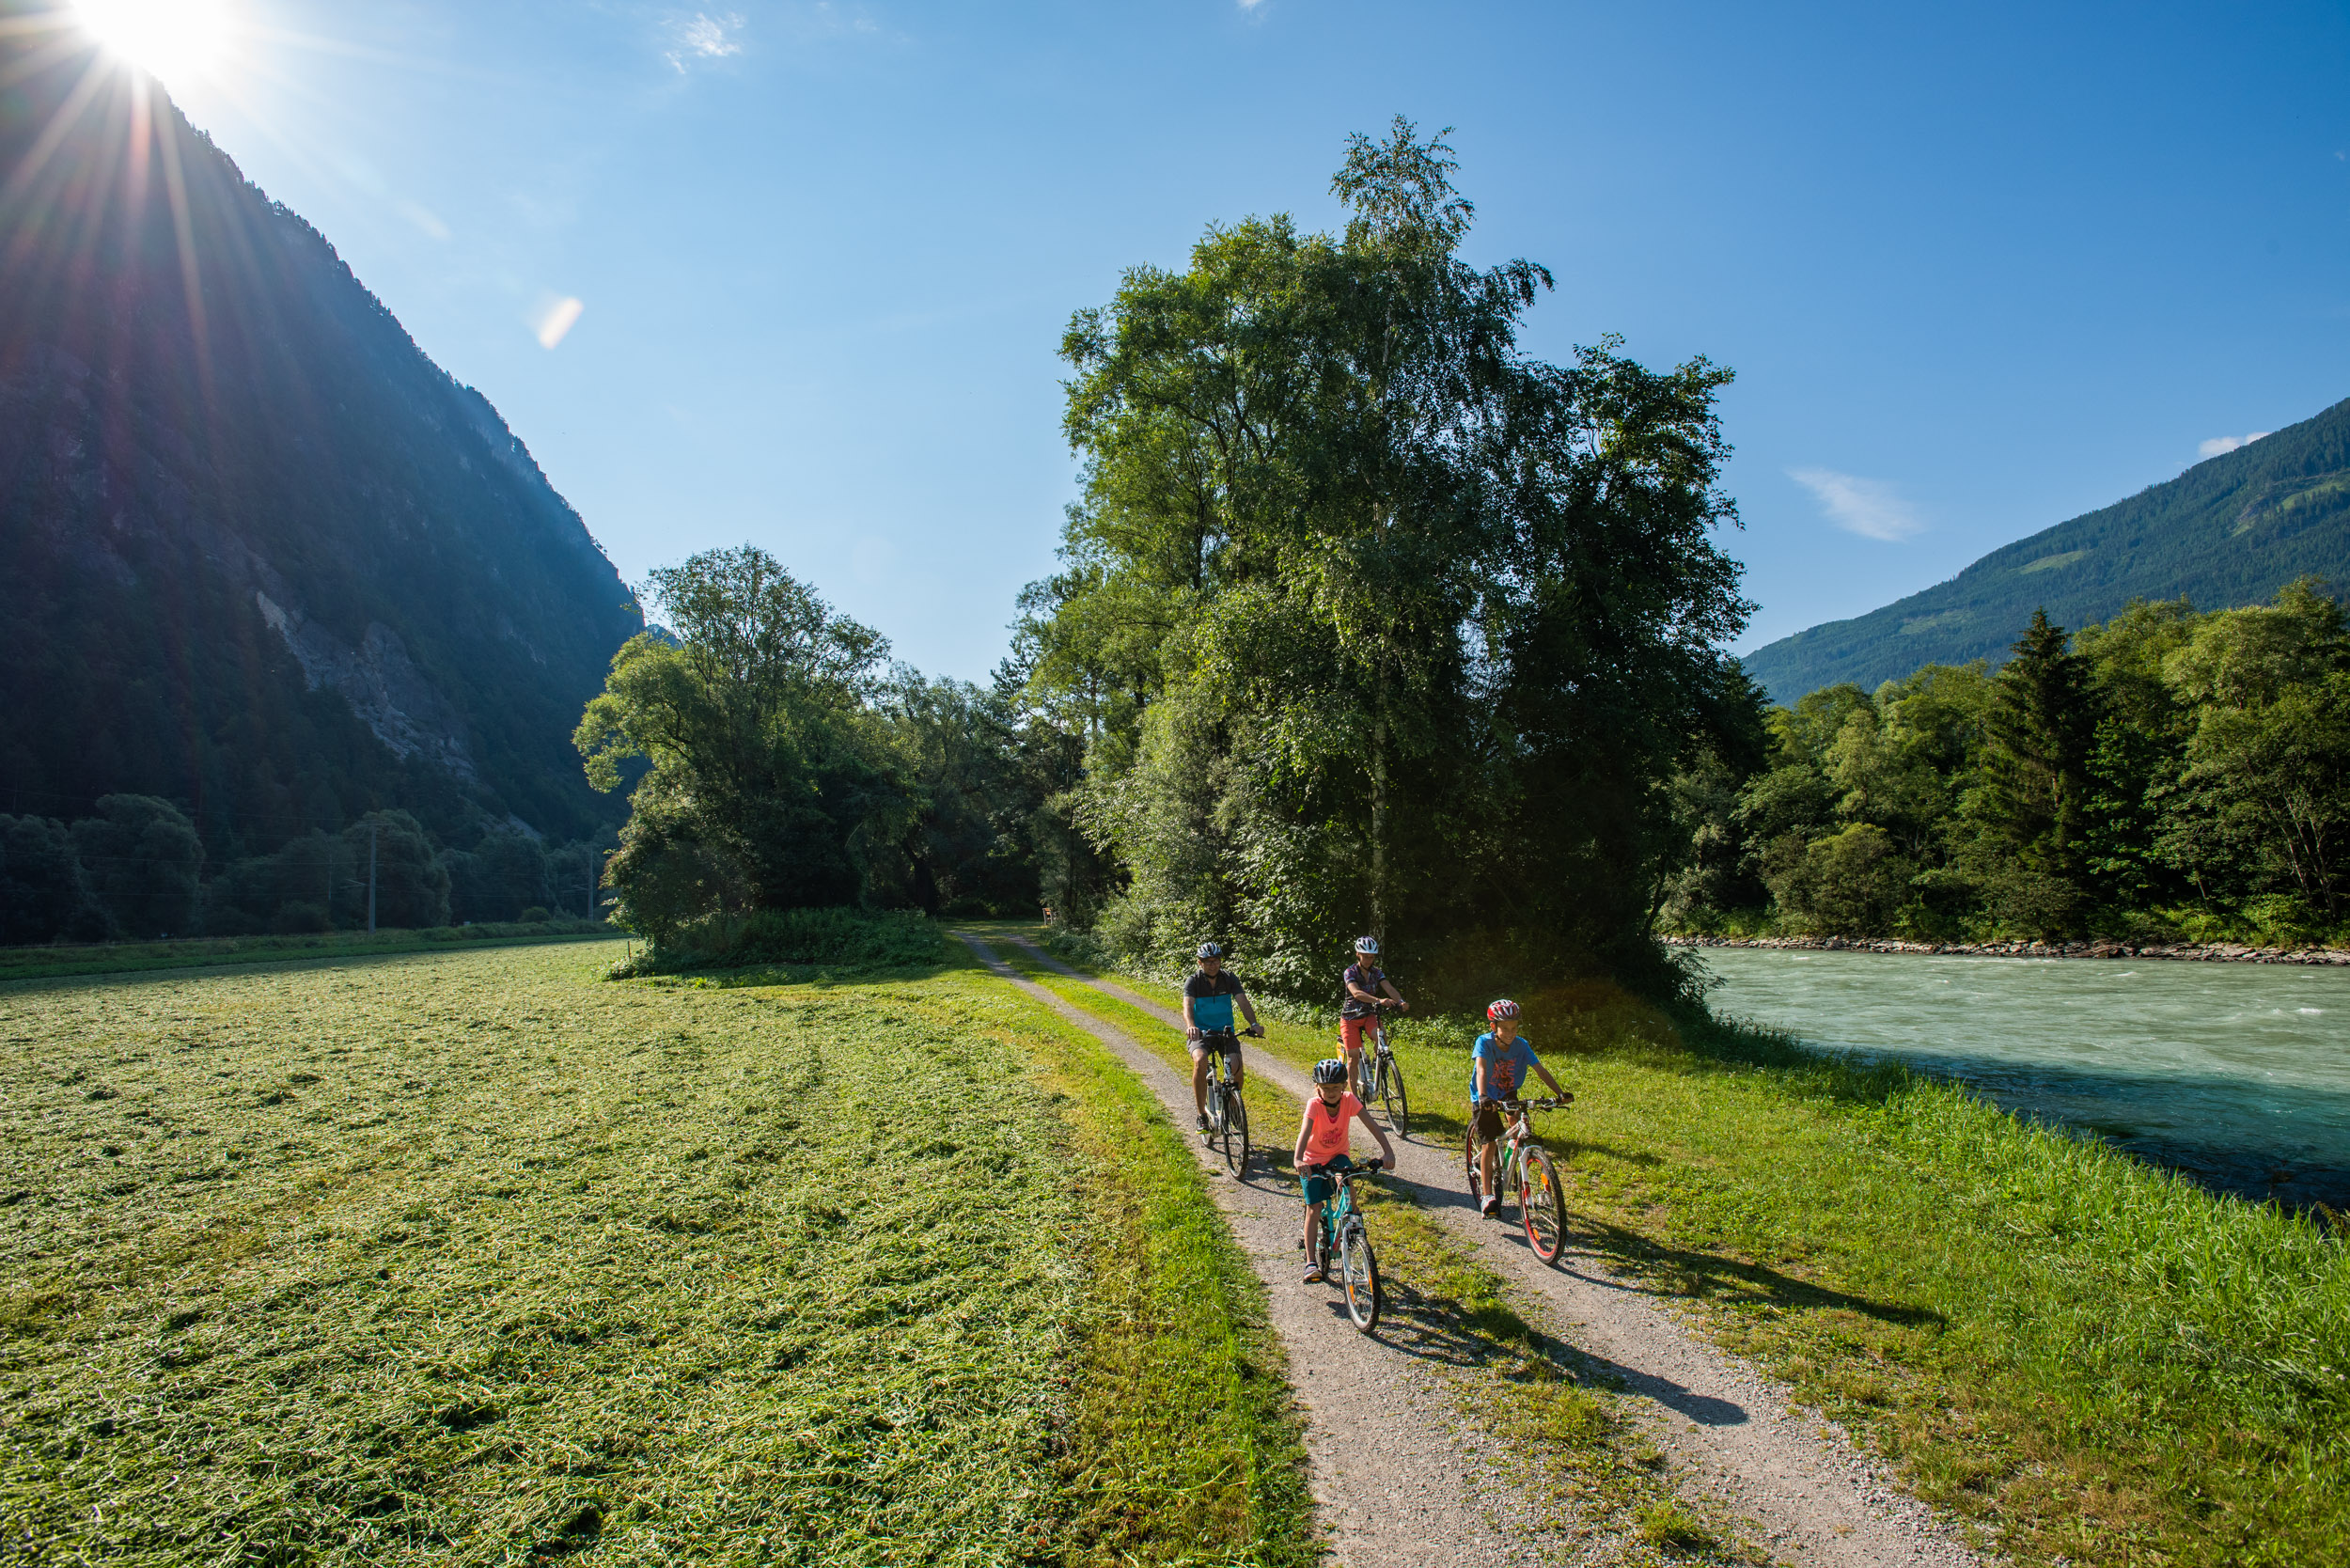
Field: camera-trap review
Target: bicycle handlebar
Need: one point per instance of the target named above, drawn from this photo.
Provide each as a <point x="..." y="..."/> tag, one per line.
<point x="1560" y="1104"/>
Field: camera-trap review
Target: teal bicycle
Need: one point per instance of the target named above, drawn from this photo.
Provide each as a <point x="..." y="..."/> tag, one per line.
<point x="1341" y="1233"/>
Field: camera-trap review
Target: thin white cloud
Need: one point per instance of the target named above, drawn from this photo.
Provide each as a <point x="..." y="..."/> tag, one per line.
<point x="2219" y="443"/>
<point x="703" y="37"/>
<point x="1870" y="507"/>
<point x="554" y="319"/>
<point x="424" y="218"/>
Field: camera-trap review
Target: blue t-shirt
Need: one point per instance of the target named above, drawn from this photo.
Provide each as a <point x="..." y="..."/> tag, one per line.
<point x="1212" y="999"/>
<point x="1505" y="1066"/>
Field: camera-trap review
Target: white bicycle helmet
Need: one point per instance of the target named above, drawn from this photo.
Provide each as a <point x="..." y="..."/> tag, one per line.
<point x="1366" y="946"/>
<point x="1208" y="950"/>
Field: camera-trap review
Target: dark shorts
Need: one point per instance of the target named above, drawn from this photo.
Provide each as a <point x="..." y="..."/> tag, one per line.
<point x="1318" y="1187"/>
<point x="1489" y="1122"/>
<point x="1216" y="1044"/>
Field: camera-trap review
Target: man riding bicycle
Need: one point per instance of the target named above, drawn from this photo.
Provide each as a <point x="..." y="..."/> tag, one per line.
<point x="1497" y="1068"/>
<point x="1360" y="1002"/>
<point x="1207" y="998"/>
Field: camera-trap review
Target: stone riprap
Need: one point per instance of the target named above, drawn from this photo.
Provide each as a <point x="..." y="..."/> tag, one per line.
<point x="2190" y="952"/>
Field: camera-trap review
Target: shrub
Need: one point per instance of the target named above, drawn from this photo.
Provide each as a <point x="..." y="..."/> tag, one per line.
<point x="535" y="915"/>
<point x="846" y="939"/>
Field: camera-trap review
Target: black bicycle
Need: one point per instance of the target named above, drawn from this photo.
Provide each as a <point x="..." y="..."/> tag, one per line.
<point x="1382" y="1079"/>
<point x="1228" y="1113"/>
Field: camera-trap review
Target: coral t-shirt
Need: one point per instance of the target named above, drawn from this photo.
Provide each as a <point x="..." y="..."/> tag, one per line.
<point x="1326" y="1127"/>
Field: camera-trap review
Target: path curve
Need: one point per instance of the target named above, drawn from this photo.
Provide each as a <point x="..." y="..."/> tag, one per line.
<point x="1394" y="1486"/>
<point x="1807" y="1493"/>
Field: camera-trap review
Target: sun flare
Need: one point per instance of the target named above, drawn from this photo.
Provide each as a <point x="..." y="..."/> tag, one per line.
<point x="170" y="39"/>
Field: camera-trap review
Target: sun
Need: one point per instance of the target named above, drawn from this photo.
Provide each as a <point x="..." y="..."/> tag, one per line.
<point x="170" y="39"/>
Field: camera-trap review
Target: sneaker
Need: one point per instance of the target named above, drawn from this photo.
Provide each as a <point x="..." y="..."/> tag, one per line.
<point x="1493" y="1207"/>
<point x="1203" y="1121"/>
<point x="1313" y="1273"/>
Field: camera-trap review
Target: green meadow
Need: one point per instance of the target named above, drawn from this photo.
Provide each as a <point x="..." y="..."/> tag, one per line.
<point x="483" y="1258"/>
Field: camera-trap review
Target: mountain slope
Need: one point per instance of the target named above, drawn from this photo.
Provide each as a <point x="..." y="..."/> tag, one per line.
<point x="2229" y="532"/>
<point x="263" y="557"/>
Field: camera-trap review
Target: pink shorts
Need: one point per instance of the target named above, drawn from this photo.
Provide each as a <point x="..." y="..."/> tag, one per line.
<point x="1351" y="1031"/>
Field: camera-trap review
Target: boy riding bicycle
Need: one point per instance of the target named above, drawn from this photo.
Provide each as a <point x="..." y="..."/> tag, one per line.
<point x="1322" y="1145"/>
<point x="1497" y="1068"/>
<point x="1360" y="1002"/>
<point x="1207" y="998"/>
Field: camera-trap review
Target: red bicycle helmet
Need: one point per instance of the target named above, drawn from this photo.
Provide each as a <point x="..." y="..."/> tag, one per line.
<point x="1502" y="1009"/>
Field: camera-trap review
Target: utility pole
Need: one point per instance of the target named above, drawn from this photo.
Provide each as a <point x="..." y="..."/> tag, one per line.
<point x="372" y="826"/>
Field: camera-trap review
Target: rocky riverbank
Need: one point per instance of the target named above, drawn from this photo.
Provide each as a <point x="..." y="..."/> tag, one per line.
<point x="2189" y="952"/>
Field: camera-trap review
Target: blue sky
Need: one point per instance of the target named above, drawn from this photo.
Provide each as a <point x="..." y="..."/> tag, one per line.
<point x="1979" y="269"/>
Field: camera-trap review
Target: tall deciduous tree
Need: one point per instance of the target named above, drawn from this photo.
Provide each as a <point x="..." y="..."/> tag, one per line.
<point x="769" y="785"/>
<point x="1381" y="624"/>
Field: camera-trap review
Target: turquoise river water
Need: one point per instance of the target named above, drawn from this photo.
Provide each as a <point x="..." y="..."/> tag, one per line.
<point x="2238" y="1073"/>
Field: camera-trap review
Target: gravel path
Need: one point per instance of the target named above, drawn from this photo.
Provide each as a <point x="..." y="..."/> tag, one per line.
<point x="1805" y="1491"/>
<point x="1395" y="1486"/>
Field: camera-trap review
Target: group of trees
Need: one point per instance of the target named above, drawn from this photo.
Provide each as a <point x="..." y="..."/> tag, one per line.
<point x="1369" y="621"/>
<point x="137" y="869"/>
<point x="1366" y="621"/>
<point x="787" y="765"/>
<point x="2165" y="774"/>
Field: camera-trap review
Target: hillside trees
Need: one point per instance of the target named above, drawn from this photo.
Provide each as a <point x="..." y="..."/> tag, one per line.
<point x="2167" y="772"/>
<point x="1374" y="622"/>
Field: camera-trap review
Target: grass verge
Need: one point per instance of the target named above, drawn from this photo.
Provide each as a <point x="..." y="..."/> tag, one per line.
<point x="2095" y="1360"/>
<point x="472" y="1258"/>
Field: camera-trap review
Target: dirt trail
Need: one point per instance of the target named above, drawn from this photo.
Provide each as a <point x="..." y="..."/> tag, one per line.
<point x="1395" y="1486"/>
<point x="1806" y="1494"/>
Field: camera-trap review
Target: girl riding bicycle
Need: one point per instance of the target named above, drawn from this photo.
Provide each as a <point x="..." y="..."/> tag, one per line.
<point x="1321" y="1143"/>
<point x="1359" y="1003"/>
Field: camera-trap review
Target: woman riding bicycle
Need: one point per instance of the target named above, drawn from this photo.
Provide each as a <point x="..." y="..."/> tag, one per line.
<point x="1497" y="1068"/>
<point x="1360" y="1002"/>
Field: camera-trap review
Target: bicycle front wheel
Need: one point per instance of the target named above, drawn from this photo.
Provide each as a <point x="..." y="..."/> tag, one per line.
<point x="1392" y="1096"/>
<point x="1476" y="1183"/>
<point x="1235" y="1132"/>
<point x="1542" y="1205"/>
<point x="1360" y="1271"/>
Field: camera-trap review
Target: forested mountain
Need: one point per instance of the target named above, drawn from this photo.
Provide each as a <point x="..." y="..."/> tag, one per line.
<point x="2227" y="533"/>
<point x="263" y="557"/>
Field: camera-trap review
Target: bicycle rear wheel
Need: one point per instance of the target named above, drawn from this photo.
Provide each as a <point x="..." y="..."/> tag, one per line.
<point x="1359" y="1269"/>
<point x="1235" y="1132"/>
<point x="1542" y="1205"/>
<point x="1392" y="1096"/>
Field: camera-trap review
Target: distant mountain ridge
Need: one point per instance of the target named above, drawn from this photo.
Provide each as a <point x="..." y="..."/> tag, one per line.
<point x="2229" y="531"/>
<point x="264" y="557"/>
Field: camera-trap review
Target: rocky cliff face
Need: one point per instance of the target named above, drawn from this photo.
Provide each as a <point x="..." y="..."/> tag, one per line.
<point x="263" y="556"/>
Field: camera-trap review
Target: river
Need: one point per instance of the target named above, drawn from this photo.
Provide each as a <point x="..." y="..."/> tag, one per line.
<point x="2237" y="1074"/>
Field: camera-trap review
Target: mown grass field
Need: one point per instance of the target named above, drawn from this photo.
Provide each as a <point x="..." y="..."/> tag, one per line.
<point x="2095" y="1360"/>
<point x="480" y="1258"/>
